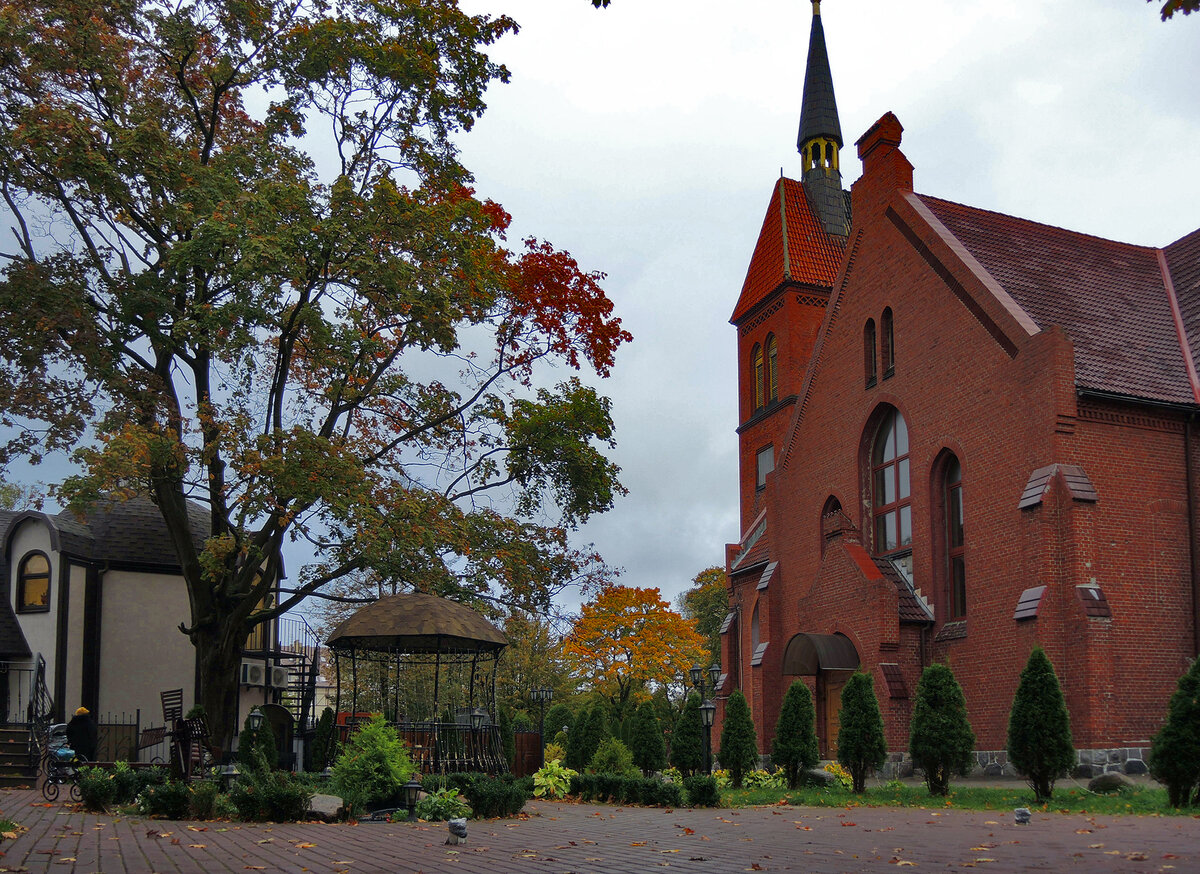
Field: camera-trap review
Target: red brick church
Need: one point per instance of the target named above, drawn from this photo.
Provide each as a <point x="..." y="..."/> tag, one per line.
<point x="961" y="434"/>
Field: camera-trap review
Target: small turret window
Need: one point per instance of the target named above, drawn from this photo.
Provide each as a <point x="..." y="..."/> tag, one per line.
<point x="757" y="375"/>
<point x="772" y="369"/>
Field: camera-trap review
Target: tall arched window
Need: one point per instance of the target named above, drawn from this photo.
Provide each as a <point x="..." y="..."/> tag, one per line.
<point x="756" y="369"/>
<point x="772" y="369"/>
<point x="888" y="347"/>
<point x="33" y="584"/>
<point x="891" y="498"/>
<point x="956" y="565"/>
<point x="754" y="629"/>
<point x="869" y="351"/>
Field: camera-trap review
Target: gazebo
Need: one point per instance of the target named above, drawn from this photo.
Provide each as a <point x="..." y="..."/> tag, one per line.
<point x="429" y="666"/>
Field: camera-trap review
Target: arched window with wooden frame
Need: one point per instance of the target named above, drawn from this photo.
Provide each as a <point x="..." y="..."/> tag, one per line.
<point x="772" y="369"/>
<point x="756" y="369"/>
<point x="891" y="492"/>
<point x="33" y="584"/>
<point x="869" y="360"/>
<point x="956" y="561"/>
<point x="887" y="343"/>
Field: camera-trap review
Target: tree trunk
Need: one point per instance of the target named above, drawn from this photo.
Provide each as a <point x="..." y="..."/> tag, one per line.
<point x="219" y="657"/>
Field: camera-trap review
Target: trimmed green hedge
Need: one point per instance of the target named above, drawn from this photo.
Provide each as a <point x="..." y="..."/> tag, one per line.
<point x="620" y="789"/>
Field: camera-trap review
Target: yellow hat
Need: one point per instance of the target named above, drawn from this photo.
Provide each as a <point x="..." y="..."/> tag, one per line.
<point x="82" y="711"/>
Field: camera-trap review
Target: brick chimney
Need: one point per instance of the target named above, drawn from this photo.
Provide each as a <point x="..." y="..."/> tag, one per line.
<point x="885" y="169"/>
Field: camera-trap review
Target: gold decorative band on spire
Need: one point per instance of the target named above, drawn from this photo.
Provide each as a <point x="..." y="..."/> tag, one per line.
<point x="816" y="7"/>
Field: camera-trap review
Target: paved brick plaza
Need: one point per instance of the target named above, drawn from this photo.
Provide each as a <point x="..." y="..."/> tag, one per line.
<point x="607" y="840"/>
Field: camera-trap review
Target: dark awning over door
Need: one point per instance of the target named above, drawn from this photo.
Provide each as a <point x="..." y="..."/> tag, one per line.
<point x="806" y="653"/>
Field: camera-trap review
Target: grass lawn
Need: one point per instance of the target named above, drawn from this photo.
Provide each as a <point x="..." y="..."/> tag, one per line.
<point x="1067" y="798"/>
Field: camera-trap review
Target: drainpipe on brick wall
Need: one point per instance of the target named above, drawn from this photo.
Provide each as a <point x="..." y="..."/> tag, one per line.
<point x="1191" y="516"/>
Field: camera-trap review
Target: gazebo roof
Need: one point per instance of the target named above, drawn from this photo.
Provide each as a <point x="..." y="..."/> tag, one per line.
<point x="416" y="623"/>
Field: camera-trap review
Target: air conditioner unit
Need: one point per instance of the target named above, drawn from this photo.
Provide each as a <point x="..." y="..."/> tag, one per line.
<point x="254" y="674"/>
<point x="279" y="678"/>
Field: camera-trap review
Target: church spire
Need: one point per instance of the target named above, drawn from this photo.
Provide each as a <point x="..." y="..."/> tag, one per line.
<point x="820" y="135"/>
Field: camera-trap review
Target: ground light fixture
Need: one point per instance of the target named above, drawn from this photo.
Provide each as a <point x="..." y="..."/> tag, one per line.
<point x="412" y="789"/>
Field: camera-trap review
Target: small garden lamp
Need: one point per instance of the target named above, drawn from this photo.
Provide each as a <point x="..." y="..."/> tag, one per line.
<point x="255" y="720"/>
<point x="697" y="674"/>
<point x="412" y="789"/>
<point x="714" y="674"/>
<point x="708" y="711"/>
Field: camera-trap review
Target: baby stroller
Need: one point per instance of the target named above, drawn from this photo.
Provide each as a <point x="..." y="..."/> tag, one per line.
<point x="61" y="765"/>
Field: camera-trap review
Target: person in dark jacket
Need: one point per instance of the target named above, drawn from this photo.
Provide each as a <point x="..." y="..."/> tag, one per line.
<point x="81" y="734"/>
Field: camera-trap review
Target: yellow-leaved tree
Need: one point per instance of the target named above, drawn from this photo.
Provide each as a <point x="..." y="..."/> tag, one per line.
<point x="628" y="639"/>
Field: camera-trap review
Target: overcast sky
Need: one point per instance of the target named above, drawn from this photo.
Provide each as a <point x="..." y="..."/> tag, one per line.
<point x="646" y="138"/>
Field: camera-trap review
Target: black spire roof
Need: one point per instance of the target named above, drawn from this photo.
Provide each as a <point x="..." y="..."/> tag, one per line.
<point x="818" y="112"/>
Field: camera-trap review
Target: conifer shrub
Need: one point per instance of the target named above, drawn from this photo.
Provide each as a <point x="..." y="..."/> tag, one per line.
<point x="508" y="739"/>
<point x="584" y="739"/>
<point x="613" y="757"/>
<point x="795" y="746"/>
<point x="1175" y="749"/>
<point x="862" y="747"/>
<point x="739" y="746"/>
<point x="941" y="741"/>
<point x="320" y="750"/>
<point x="687" y="741"/>
<point x="648" y="748"/>
<point x="256" y="747"/>
<point x="372" y="766"/>
<point x="1039" y="727"/>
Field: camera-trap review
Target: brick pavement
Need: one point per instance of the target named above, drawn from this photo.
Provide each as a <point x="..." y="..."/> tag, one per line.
<point x="598" y="839"/>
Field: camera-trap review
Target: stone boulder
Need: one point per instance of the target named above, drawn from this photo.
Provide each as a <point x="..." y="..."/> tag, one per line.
<point x="327" y="808"/>
<point x="1113" y="781"/>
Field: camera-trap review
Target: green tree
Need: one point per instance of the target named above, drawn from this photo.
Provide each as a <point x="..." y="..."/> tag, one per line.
<point x="687" y="740"/>
<point x="941" y="741"/>
<point x="335" y="345"/>
<point x="862" y="747"/>
<point x="558" y="718"/>
<point x="706" y="603"/>
<point x="591" y="727"/>
<point x="1039" y="727"/>
<point x="1175" y="749"/>
<point x="646" y="740"/>
<point x="795" y="745"/>
<point x="739" y="747"/>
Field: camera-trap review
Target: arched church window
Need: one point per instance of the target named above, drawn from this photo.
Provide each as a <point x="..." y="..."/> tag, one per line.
<point x="754" y="629"/>
<point x="756" y="370"/>
<point x="33" y="584"/>
<point x="869" y="351"/>
<point x="772" y="369"/>
<point x="891" y="497"/>
<point x="956" y="565"/>
<point x="888" y="343"/>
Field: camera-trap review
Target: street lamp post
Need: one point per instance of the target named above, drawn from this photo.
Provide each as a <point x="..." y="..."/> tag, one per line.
<point x="541" y="696"/>
<point x="708" y="710"/>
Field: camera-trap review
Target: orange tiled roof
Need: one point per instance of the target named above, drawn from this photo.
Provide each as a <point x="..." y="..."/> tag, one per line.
<point x="810" y="255"/>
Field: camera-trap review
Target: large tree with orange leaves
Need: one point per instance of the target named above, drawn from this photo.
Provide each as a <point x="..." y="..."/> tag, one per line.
<point x="628" y="639"/>
<point x="247" y="270"/>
